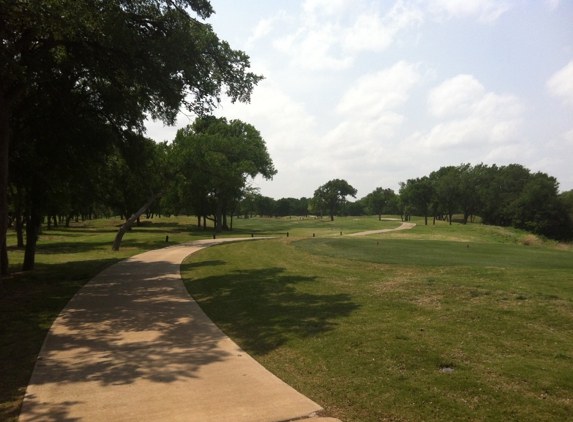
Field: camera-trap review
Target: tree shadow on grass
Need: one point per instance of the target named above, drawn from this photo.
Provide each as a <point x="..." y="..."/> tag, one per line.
<point x="262" y="309"/>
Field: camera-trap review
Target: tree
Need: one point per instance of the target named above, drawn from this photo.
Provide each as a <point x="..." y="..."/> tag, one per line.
<point x="472" y="179"/>
<point x="538" y="209"/>
<point x="218" y="158"/>
<point x="377" y="200"/>
<point x="418" y="193"/>
<point x="356" y="208"/>
<point x="126" y="59"/>
<point x="447" y="189"/>
<point x="141" y="175"/>
<point x="333" y="194"/>
<point x="567" y="199"/>
<point x="265" y="205"/>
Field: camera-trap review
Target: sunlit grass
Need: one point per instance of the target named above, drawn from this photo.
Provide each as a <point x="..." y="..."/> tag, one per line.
<point x="369" y="340"/>
<point x="348" y="333"/>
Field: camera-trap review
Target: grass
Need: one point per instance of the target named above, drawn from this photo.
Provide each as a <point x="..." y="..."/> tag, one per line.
<point x="372" y="337"/>
<point x="365" y="338"/>
<point x="306" y="227"/>
<point x="67" y="258"/>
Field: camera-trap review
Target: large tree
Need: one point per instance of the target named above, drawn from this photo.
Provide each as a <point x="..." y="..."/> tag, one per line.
<point x="377" y="200"/>
<point x="333" y="194"/>
<point x="126" y="59"/>
<point x="447" y="187"/>
<point x="218" y="158"/>
<point x="419" y="193"/>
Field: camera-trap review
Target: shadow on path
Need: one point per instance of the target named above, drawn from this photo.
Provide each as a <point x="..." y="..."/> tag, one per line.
<point x="133" y="345"/>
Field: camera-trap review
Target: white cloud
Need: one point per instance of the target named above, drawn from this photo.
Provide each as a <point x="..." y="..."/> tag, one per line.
<point x="475" y="118"/>
<point x="369" y="120"/>
<point x="561" y="83"/>
<point x="263" y="28"/>
<point x="331" y="33"/>
<point x="326" y="7"/>
<point x="376" y="93"/>
<point x="455" y="96"/>
<point x="487" y="11"/>
<point x="568" y="136"/>
<point x="370" y="32"/>
<point x="311" y="49"/>
<point x="553" y="4"/>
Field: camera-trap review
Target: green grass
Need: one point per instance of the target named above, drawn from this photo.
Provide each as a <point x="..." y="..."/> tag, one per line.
<point x="368" y="337"/>
<point x="306" y="226"/>
<point x="67" y="258"/>
<point x="364" y="339"/>
<point x="439" y="253"/>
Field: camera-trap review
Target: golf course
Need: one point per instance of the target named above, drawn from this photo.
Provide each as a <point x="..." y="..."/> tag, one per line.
<point x="435" y="323"/>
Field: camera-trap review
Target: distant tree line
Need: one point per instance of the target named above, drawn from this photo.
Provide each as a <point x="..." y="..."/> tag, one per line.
<point x="509" y="196"/>
<point x="501" y="195"/>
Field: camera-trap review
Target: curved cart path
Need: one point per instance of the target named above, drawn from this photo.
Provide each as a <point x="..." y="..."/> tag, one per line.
<point x="132" y="345"/>
<point x="404" y="226"/>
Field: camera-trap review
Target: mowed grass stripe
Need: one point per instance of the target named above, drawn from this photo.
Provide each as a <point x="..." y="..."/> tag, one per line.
<point x="439" y="253"/>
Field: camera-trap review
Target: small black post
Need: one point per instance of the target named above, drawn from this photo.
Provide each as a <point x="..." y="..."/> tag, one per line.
<point x="214" y="236"/>
<point x="252" y="235"/>
<point x="287" y="234"/>
<point x="166" y="239"/>
<point x="340" y="233"/>
<point x="313" y="235"/>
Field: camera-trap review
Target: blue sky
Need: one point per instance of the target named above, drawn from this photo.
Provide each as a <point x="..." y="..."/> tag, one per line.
<point x="377" y="92"/>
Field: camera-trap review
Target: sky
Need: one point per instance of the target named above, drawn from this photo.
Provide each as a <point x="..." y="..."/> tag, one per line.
<point x="378" y="92"/>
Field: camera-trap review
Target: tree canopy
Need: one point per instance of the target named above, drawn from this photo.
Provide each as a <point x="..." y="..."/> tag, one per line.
<point x="219" y="156"/>
<point x="332" y="195"/>
<point x="106" y="66"/>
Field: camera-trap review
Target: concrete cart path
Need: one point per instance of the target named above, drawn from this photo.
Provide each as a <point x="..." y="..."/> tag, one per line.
<point x="404" y="226"/>
<point x="132" y="345"/>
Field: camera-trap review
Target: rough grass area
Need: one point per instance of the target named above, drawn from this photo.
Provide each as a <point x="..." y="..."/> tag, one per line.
<point x="424" y="336"/>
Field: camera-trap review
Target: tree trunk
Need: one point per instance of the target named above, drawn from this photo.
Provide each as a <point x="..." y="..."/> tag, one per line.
<point x="218" y="219"/>
<point x="199" y="221"/>
<point x="4" y="259"/>
<point x="127" y="226"/>
<point x="32" y="230"/>
<point x="4" y="152"/>
<point x="380" y="217"/>
<point x="466" y="216"/>
<point x="331" y="217"/>
<point x="19" y="226"/>
<point x="225" y="225"/>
